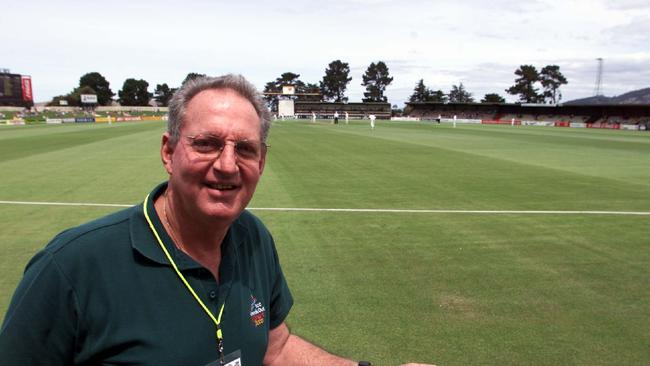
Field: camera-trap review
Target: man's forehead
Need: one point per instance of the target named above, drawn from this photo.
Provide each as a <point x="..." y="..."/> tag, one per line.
<point x="219" y="99"/>
<point x="209" y="104"/>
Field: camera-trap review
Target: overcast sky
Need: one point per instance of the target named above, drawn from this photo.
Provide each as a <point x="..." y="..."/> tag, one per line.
<point x="479" y="43"/>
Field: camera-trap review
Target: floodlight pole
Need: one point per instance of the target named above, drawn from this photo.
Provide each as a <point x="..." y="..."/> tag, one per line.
<point x="599" y="77"/>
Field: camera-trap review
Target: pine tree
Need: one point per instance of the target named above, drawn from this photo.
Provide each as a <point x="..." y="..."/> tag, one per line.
<point x="376" y="79"/>
<point x="335" y="81"/>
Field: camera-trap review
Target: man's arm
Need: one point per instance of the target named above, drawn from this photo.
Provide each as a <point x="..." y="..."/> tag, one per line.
<point x="286" y="349"/>
<point x="41" y="323"/>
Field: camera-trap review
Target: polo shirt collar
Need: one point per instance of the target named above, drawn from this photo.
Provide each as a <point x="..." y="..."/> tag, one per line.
<point x="144" y="241"/>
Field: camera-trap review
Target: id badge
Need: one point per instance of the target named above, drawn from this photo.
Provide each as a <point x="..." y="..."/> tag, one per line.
<point x="231" y="359"/>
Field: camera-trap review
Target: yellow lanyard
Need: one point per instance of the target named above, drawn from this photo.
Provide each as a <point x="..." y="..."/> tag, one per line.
<point x="217" y="320"/>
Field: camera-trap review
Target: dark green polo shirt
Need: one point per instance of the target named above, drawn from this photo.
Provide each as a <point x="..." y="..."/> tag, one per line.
<point x="104" y="294"/>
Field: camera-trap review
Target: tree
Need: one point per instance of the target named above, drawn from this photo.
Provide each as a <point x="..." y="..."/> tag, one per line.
<point x="73" y="99"/>
<point x="421" y="93"/>
<point x="335" y="81"/>
<point x="271" y="100"/>
<point x="100" y="85"/>
<point x="192" y="75"/>
<point x="551" y="79"/>
<point x="396" y="111"/>
<point x="458" y="94"/>
<point x="525" y="85"/>
<point x="493" y="98"/>
<point x="56" y="101"/>
<point x="376" y="79"/>
<point x="287" y="78"/>
<point x="311" y="89"/>
<point x="437" y="96"/>
<point x="163" y="94"/>
<point x="134" y="93"/>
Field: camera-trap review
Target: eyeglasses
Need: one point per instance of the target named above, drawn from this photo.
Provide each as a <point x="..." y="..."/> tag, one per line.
<point x="210" y="147"/>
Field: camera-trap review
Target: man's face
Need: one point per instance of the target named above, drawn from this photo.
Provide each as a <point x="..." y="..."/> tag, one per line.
<point x="206" y="187"/>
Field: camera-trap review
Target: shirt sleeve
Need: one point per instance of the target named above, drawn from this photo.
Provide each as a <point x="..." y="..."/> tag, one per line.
<point x="40" y="325"/>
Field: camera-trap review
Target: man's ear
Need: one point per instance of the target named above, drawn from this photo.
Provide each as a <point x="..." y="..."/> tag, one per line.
<point x="167" y="152"/>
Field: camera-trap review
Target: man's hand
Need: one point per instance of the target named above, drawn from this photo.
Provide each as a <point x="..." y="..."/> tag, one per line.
<point x="286" y="349"/>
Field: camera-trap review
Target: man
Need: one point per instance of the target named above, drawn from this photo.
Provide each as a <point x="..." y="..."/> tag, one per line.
<point x="189" y="277"/>
<point x="336" y="117"/>
<point x="372" y="121"/>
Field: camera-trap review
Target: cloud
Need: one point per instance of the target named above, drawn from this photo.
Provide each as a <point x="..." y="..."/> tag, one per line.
<point x="620" y="75"/>
<point x="444" y="42"/>
<point x="634" y="32"/>
<point x="629" y="5"/>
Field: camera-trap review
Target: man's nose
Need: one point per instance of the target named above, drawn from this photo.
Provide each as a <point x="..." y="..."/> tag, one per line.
<point x="227" y="160"/>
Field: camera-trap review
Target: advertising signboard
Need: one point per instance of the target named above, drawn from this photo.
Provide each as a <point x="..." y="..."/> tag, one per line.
<point x="88" y="99"/>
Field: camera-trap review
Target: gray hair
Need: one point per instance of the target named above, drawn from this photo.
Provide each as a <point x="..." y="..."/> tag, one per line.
<point x="181" y="98"/>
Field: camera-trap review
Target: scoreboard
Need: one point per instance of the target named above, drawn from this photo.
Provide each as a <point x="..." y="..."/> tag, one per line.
<point x="16" y="90"/>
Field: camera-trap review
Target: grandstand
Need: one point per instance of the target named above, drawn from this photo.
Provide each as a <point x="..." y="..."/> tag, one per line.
<point x="355" y="110"/>
<point x="599" y="116"/>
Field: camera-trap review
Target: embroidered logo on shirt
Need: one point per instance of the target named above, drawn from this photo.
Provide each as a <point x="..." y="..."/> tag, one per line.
<point x="257" y="312"/>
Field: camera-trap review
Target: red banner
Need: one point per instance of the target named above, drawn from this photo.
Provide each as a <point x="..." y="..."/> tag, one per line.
<point x="27" y="88"/>
<point x="611" y="126"/>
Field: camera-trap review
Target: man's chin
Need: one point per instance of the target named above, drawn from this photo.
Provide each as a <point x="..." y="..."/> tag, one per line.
<point x="226" y="205"/>
<point x="224" y="211"/>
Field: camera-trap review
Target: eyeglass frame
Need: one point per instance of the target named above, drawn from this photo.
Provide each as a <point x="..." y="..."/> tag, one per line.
<point x="218" y="150"/>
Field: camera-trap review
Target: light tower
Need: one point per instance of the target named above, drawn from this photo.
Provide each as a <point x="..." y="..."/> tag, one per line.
<point x="599" y="77"/>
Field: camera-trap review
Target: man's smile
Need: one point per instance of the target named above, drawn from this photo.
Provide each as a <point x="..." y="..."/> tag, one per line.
<point x="222" y="186"/>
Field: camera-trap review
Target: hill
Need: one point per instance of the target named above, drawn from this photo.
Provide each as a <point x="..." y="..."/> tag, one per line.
<point x="641" y="96"/>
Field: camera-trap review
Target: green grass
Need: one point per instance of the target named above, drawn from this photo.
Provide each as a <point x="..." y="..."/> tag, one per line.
<point x="449" y="288"/>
